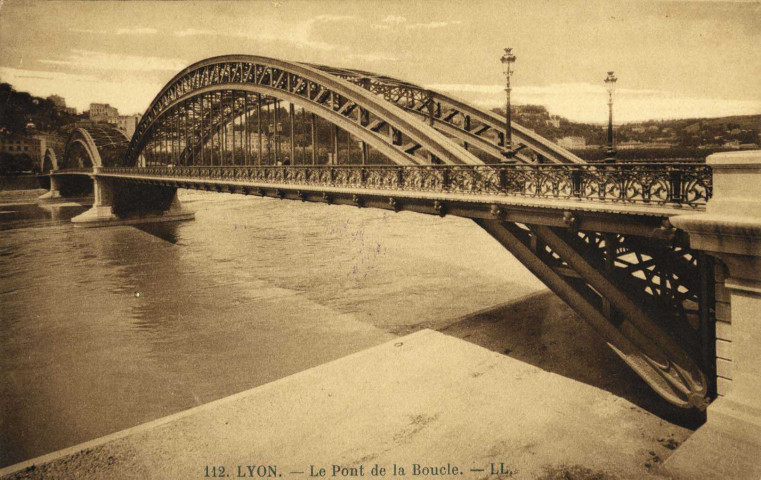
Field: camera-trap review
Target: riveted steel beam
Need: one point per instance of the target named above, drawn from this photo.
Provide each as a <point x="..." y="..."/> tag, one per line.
<point x="277" y="79"/>
<point x="669" y="371"/>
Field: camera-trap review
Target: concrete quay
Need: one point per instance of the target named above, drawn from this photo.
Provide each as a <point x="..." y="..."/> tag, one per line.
<point x="425" y="399"/>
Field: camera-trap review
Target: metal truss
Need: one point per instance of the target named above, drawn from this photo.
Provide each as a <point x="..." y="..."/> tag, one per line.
<point x="94" y="145"/>
<point x="650" y="301"/>
<point x="209" y="94"/>
<point x="470" y="125"/>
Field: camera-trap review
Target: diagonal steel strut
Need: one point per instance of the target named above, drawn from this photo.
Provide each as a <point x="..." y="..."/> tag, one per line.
<point x="662" y="364"/>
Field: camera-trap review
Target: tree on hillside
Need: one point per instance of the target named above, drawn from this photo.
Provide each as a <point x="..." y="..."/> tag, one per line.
<point x="19" y="108"/>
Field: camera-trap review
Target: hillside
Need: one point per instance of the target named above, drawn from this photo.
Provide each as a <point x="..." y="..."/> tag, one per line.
<point x="17" y="109"/>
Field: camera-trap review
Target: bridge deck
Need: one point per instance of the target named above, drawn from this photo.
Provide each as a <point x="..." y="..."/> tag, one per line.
<point x="506" y="199"/>
<point x="585" y="196"/>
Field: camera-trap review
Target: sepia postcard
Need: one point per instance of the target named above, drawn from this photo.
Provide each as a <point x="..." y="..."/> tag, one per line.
<point x="380" y="239"/>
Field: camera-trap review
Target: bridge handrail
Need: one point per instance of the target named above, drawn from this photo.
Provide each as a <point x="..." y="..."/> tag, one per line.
<point x="73" y="170"/>
<point x="674" y="184"/>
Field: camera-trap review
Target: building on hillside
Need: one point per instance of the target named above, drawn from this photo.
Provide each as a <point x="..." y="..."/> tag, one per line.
<point x="15" y="144"/>
<point x="70" y="110"/>
<point x="637" y="145"/>
<point x="573" y="143"/>
<point x="128" y="124"/>
<point x="58" y="101"/>
<point x="103" y="112"/>
<point x="533" y="114"/>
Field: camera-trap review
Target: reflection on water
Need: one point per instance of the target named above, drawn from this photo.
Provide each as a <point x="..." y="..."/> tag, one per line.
<point x="107" y="328"/>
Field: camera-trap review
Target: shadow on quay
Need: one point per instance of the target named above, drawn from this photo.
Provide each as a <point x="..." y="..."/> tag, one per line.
<point x="541" y="330"/>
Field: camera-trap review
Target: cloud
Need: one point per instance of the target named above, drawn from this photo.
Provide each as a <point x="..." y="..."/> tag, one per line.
<point x="87" y="30"/>
<point x="118" y="31"/>
<point x="11" y="74"/>
<point x="136" y="31"/>
<point x="192" y="32"/>
<point x="92" y="60"/>
<point x="586" y="102"/>
<point x="431" y="25"/>
<point x="394" y="19"/>
<point x="331" y="18"/>
<point x="373" y="57"/>
<point x="392" y="23"/>
<point x="301" y="34"/>
<point x="130" y="96"/>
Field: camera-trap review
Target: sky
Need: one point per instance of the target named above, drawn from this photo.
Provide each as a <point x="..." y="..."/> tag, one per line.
<point x="673" y="59"/>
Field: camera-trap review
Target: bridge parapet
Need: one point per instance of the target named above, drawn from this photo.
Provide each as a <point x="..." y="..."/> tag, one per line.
<point x="673" y="185"/>
<point x="74" y="171"/>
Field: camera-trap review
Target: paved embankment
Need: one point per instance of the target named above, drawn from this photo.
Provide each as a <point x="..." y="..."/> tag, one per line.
<point x="426" y="399"/>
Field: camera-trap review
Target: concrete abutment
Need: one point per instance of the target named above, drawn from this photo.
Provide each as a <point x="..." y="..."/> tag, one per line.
<point x="68" y="187"/>
<point x="121" y="203"/>
<point x="55" y="189"/>
<point x="729" y="444"/>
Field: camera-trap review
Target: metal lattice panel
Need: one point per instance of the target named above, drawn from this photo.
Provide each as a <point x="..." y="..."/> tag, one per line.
<point x="471" y="125"/>
<point x="399" y="136"/>
<point x="95" y="145"/>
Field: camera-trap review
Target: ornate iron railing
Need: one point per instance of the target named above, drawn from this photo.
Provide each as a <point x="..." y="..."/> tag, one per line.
<point x="75" y="170"/>
<point x="687" y="185"/>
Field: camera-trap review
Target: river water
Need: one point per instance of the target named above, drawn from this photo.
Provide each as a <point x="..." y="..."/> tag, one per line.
<point x="104" y="329"/>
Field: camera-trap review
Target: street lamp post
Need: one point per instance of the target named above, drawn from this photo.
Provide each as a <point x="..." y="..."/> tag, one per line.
<point x="610" y="84"/>
<point x="507" y="61"/>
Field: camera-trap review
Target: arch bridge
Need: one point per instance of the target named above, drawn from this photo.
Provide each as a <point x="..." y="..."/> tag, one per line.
<point x="598" y="235"/>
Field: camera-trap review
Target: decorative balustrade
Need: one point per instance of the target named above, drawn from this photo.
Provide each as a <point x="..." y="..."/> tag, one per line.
<point x="671" y="184"/>
<point x="75" y="170"/>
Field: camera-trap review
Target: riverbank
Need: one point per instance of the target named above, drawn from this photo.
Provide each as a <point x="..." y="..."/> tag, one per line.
<point x="20" y="196"/>
<point x="425" y="399"/>
<point x="22" y="182"/>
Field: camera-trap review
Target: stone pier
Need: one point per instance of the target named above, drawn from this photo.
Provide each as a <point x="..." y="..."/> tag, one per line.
<point x="55" y="188"/>
<point x="119" y="203"/>
<point x="729" y="444"/>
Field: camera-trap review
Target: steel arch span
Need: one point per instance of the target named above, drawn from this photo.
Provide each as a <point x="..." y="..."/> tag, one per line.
<point x="196" y="107"/>
<point x="49" y="161"/>
<point x="406" y="124"/>
<point x="211" y="125"/>
<point x="469" y="124"/>
<point x="94" y="146"/>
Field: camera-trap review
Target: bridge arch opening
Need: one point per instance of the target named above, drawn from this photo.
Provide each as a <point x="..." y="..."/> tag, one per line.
<point x="243" y="126"/>
<point x="49" y="161"/>
<point x="96" y="145"/>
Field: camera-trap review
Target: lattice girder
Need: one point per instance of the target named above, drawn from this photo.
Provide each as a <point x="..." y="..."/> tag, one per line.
<point x="563" y="262"/>
<point x="482" y="128"/>
<point x="317" y="92"/>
